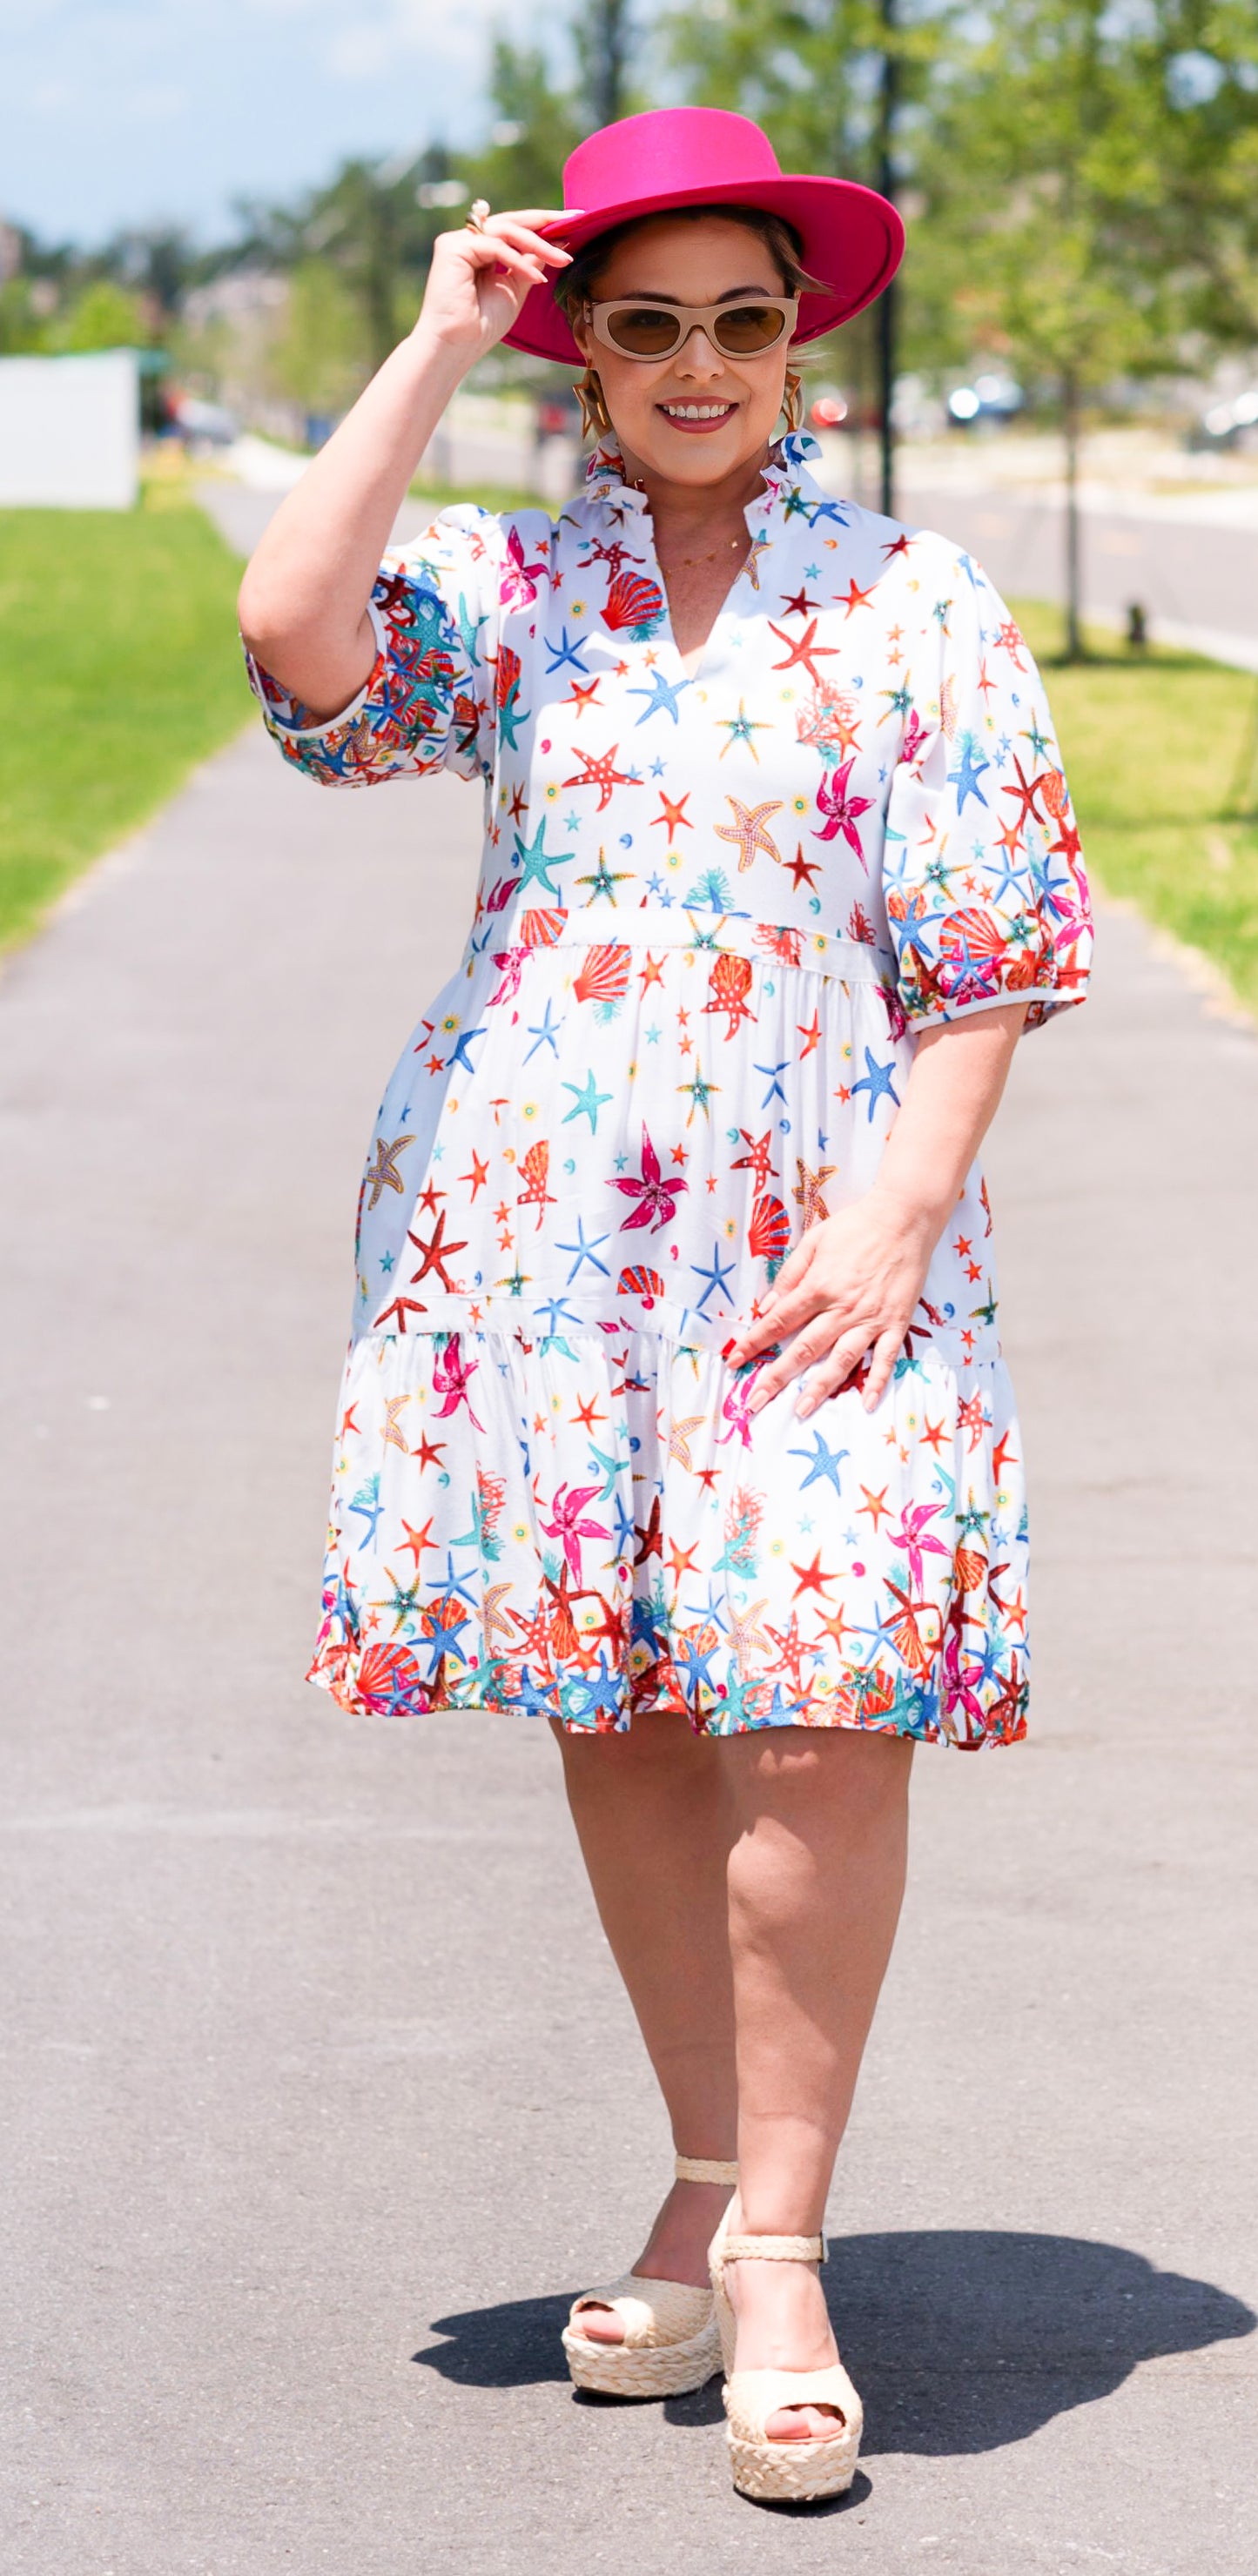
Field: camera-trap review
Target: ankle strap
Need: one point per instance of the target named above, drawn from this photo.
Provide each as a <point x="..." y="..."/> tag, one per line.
<point x="773" y="2249"/>
<point x="704" y="2169"/>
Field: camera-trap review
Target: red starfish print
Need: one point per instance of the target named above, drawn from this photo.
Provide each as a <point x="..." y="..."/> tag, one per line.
<point x="600" y="773"/>
<point x="806" y="651"/>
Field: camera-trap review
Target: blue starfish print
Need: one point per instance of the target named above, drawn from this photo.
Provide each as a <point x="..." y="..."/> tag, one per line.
<point x="542" y="1033"/>
<point x="661" y="697"/>
<point x="585" y="1252"/>
<point x="821" y="1462"/>
<point x="587" y="1100"/>
<point x="775" y="1090"/>
<point x="879" y="1081"/>
<point x="535" y="861"/>
<point x="458" y="1053"/>
<point x="563" y="652"/>
<point x="716" y="1275"/>
<point x="969" y="770"/>
<point x="555" y="1307"/>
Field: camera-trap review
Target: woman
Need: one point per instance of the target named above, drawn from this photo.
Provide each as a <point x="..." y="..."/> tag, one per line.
<point x="675" y="1409"/>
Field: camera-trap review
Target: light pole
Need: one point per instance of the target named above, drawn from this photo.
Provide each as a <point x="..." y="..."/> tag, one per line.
<point x="606" y="48"/>
<point x="888" y="99"/>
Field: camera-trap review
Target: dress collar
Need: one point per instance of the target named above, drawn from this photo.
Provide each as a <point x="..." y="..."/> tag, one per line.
<point x="788" y="458"/>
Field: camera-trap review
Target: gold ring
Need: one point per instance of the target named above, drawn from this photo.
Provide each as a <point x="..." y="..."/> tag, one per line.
<point x="477" y="214"/>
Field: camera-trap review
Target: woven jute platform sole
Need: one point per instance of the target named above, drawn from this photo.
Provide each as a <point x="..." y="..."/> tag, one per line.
<point x="794" y="2472"/>
<point x="659" y="2370"/>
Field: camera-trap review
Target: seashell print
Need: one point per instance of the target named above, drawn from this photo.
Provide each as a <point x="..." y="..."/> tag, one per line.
<point x="542" y="925"/>
<point x="632" y="600"/>
<point x="604" y="977"/>
<point x="636" y="1280"/>
<point x="972" y="933"/>
<point x="506" y="673"/>
<point x="770" y="1229"/>
<point x="386" y="1677"/>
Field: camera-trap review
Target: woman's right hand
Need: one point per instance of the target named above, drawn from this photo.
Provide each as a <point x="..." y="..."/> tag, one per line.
<point x="478" y="281"/>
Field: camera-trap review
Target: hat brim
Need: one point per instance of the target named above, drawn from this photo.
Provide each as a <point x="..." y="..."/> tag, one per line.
<point x="852" y="237"/>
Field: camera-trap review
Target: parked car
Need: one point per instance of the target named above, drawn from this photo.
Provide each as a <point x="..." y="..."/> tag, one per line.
<point x="558" y="415"/>
<point x="1228" y="424"/>
<point x="207" y="424"/>
<point x="990" y="397"/>
<point x="828" y="408"/>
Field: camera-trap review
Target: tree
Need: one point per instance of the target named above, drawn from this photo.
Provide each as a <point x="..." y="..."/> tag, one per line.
<point x="1198" y="67"/>
<point x="536" y="125"/>
<point x="1042" y="184"/>
<point x="320" y="353"/>
<point x="103" y="316"/>
<point x="841" y="87"/>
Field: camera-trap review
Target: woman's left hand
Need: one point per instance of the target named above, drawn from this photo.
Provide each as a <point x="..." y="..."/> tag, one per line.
<point x="850" y="1285"/>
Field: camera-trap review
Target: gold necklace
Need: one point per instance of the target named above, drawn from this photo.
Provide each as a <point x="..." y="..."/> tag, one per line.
<point x="635" y="485"/>
<point x="698" y="559"/>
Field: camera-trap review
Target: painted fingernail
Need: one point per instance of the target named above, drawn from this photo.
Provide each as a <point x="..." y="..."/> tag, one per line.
<point x="730" y="1345"/>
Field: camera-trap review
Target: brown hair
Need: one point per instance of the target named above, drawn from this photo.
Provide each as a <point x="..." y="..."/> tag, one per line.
<point x="575" y="286"/>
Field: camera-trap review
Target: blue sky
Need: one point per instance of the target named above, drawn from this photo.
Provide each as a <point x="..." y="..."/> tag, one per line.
<point x="115" y="112"/>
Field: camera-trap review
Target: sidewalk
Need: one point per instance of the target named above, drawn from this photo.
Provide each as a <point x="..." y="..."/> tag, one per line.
<point x="323" y="2097"/>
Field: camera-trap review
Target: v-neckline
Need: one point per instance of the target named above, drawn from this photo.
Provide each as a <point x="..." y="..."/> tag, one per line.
<point x="608" y="463"/>
<point x="668" y="637"/>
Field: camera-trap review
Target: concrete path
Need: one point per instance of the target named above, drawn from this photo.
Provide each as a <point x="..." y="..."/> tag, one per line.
<point x="322" y="2097"/>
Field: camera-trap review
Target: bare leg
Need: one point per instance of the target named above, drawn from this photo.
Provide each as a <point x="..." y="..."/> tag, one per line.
<point x="654" y="1821"/>
<point x="816" y="1876"/>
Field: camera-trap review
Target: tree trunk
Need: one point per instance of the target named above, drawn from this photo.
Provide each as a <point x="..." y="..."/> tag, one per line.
<point x="380" y="279"/>
<point x="1074" y="601"/>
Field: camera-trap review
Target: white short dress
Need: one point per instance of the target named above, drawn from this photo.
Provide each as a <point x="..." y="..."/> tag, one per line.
<point x="713" y="914"/>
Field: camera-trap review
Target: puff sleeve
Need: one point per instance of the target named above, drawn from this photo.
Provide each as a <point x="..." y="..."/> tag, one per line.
<point x="429" y="701"/>
<point x="984" y="883"/>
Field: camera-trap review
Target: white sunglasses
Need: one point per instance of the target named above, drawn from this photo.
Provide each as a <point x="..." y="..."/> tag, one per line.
<point x="636" y="328"/>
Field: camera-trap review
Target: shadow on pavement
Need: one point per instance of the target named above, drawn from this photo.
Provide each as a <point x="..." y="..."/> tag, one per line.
<point x="959" y="2339"/>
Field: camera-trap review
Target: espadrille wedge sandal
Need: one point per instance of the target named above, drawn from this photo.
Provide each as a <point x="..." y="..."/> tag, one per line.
<point x="671" y="2339"/>
<point x="776" y="2472"/>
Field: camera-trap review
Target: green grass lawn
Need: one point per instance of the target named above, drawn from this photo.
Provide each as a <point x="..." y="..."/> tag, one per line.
<point x="1162" y="758"/>
<point x="119" y="668"/>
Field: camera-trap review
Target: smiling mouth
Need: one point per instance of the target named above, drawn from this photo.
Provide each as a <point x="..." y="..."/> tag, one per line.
<point x="697" y="415"/>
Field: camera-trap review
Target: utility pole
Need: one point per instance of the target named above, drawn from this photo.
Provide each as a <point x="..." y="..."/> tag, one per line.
<point x="888" y="100"/>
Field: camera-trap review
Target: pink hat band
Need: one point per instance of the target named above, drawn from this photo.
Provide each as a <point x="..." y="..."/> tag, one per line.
<point x="852" y="238"/>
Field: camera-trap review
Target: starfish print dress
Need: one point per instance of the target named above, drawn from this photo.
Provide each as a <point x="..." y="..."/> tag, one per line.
<point x="713" y="913"/>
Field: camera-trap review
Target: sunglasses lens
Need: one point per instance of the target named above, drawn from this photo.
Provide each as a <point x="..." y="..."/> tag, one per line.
<point x="748" y="328"/>
<point x="643" y="330"/>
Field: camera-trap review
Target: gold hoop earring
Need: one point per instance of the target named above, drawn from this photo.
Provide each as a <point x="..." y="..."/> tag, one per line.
<point x="595" y="416"/>
<point x="793" y="398"/>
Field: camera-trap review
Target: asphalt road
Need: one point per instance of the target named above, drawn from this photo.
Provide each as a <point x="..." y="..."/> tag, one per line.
<point x="322" y="2097"/>
<point x="1197" y="583"/>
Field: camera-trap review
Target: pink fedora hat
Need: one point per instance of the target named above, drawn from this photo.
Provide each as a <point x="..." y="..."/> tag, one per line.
<point x="704" y="156"/>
